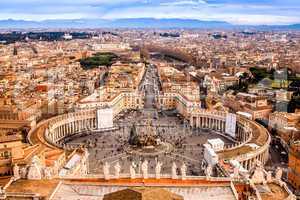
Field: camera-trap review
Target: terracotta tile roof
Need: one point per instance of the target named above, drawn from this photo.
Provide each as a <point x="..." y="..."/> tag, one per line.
<point x="4" y="181"/>
<point x="42" y="187"/>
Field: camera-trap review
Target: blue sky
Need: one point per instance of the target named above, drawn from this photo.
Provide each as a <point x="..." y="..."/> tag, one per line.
<point x="233" y="11"/>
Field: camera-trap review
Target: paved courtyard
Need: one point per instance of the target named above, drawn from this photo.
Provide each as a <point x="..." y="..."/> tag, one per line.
<point x="110" y="146"/>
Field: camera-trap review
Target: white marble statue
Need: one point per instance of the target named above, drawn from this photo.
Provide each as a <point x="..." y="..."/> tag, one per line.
<point x="117" y="170"/>
<point x="278" y="173"/>
<point x="23" y="172"/>
<point x="16" y="170"/>
<point x="158" y="170"/>
<point x="132" y="170"/>
<point x="47" y="173"/>
<point x="34" y="172"/>
<point x="106" y="167"/>
<point x="2" y="190"/>
<point x="258" y="176"/>
<point x="86" y="153"/>
<point x="174" y="171"/>
<point x="145" y="169"/>
<point x="183" y="171"/>
<point x="269" y="176"/>
<point x="208" y="171"/>
<point x="236" y="173"/>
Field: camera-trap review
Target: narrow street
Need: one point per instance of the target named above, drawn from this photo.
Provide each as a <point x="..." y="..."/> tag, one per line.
<point x="278" y="157"/>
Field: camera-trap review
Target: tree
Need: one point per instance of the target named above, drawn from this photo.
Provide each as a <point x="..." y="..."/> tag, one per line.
<point x="98" y="59"/>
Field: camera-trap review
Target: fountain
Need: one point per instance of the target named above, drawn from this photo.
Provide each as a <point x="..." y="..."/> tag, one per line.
<point x="147" y="142"/>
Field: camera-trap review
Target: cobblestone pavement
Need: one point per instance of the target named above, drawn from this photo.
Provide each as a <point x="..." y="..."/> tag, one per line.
<point x="111" y="146"/>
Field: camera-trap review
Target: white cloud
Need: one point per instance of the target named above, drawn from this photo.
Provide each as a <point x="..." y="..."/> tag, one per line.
<point x="201" y="13"/>
<point x="262" y="19"/>
<point x="39" y="17"/>
<point x="233" y="11"/>
<point x="184" y="2"/>
<point x="73" y="2"/>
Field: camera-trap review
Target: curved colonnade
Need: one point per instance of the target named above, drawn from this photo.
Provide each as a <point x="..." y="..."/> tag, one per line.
<point x="70" y="124"/>
<point x="251" y="142"/>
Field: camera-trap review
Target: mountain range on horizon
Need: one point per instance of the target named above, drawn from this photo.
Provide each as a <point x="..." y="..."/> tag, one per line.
<point x="134" y="23"/>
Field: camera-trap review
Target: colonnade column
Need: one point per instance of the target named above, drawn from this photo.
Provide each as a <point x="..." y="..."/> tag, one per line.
<point x="201" y="122"/>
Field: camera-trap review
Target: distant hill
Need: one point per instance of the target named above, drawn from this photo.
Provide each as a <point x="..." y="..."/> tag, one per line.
<point x="118" y="23"/>
<point x="131" y="23"/>
<point x="168" y="23"/>
<point x="295" y="26"/>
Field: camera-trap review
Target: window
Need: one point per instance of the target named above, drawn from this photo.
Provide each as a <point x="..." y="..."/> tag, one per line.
<point x="6" y="154"/>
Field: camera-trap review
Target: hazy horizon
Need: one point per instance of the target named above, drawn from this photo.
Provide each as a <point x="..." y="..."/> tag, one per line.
<point x="237" y="12"/>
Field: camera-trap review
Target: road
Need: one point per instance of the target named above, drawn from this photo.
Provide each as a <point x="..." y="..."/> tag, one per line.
<point x="278" y="157"/>
<point x="150" y="85"/>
